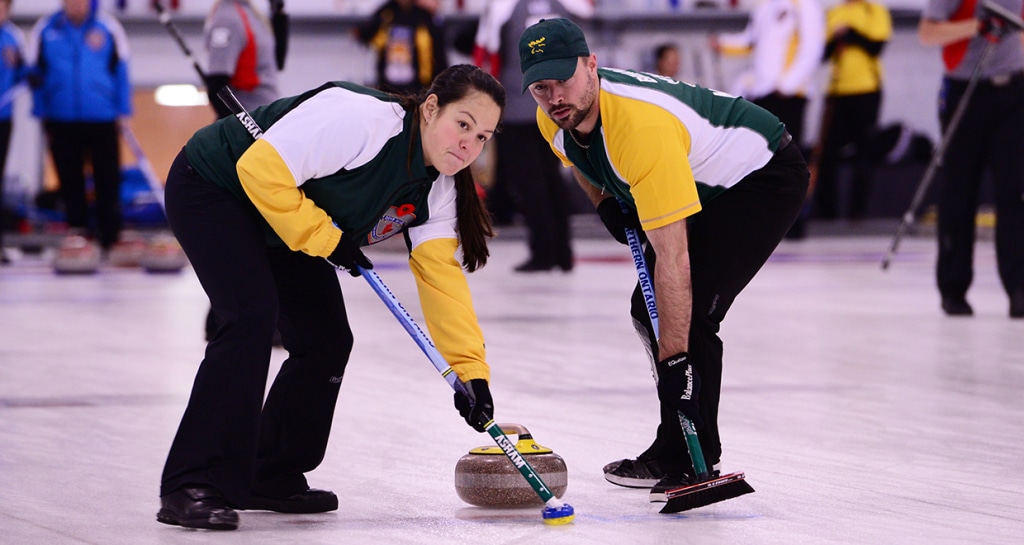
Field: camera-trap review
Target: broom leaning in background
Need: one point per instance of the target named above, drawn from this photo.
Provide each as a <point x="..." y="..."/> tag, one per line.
<point x="705" y="490"/>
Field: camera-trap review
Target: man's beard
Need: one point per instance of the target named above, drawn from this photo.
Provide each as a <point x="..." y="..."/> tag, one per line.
<point x="573" y="120"/>
<point x="579" y="114"/>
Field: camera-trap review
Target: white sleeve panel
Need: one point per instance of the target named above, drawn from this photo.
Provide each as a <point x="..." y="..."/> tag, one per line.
<point x="799" y="75"/>
<point x="117" y="31"/>
<point x="332" y="130"/>
<point x="495" y="15"/>
<point x="580" y="8"/>
<point x="443" y="221"/>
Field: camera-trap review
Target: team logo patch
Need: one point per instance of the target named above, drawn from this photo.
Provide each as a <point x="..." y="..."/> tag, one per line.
<point x="96" y="39"/>
<point x="10" y="57"/>
<point x="392" y="223"/>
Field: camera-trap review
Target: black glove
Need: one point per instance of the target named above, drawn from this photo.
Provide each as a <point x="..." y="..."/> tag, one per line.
<point x="347" y="255"/>
<point x="478" y="408"/>
<point x="616" y="221"/>
<point x="993" y="28"/>
<point x="679" y="385"/>
<point x="214" y="83"/>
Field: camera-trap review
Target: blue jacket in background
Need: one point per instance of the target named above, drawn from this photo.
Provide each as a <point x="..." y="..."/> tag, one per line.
<point x="12" y="65"/>
<point x="80" y="72"/>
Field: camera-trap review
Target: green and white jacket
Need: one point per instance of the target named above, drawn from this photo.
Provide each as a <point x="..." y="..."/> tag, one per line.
<point x="341" y="158"/>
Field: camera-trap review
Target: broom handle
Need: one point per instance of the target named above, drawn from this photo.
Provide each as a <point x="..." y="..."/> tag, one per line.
<point x="647" y="289"/>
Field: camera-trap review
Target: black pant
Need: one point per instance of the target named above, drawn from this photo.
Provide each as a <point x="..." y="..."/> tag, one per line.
<point x="848" y="119"/>
<point x="729" y="240"/>
<point x="789" y="109"/>
<point x="5" y="141"/>
<point x="529" y="171"/>
<point x="224" y="440"/>
<point x="70" y="143"/>
<point x="990" y="135"/>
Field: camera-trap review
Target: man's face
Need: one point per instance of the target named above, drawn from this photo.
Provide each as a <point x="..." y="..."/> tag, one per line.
<point x="568" y="102"/>
<point x="76" y="10"/>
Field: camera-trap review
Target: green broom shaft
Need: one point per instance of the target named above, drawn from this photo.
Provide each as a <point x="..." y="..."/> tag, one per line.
<point x="524" y="467"/>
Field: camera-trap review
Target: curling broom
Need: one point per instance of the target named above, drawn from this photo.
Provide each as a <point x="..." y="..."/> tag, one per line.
<point x="706" y="490"/>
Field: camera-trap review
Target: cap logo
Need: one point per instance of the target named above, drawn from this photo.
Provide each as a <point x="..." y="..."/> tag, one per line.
<point x="537" y="46"/>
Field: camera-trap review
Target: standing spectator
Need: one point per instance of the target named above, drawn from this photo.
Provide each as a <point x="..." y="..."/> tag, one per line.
<point x="780" y="78"/>
<point x="857" y="32"/>
<point x="241" y="48"/>
<point x="526" y="169"/>
<point x="81" y="92"/>
<point x="666" y="60"/>
<point x="989" y="135"/>
<point x="409" y="45"/>
<point x="12" y="72"/>
<point x="245" y="52"/>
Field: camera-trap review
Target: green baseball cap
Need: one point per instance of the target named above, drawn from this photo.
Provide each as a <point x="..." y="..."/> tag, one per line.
<point x="549" y="49"/>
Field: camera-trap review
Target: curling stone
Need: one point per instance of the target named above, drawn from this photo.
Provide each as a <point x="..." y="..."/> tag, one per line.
<point x="128" y="251"/>
<point x="163" y="255"/>
<point x="486" y="478"/>
<point x="77" y="255"/>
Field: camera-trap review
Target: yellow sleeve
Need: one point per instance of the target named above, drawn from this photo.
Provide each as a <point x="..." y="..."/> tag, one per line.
<point x="448" y="307"/>
<point x="650" y="150"/>
<point x="881" y="29"/>
<point x="300" y="223"/>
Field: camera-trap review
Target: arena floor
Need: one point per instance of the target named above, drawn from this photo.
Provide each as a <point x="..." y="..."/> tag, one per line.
<point x="859" y="412"/>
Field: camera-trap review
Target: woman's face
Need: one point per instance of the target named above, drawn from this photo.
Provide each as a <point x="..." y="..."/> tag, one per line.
<point x="454" y="136"/>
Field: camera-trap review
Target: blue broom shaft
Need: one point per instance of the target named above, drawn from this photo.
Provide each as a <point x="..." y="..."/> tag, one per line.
<point x="647" y="289"/>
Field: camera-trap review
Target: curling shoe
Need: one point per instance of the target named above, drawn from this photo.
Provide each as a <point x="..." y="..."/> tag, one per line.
<point x="312" y="500"/>
<point x="678" y="480"/>
<point x="956" y="306"/>
<point x="641" y="472"/>
<point x="197" y="507"/>
<point x="1017" y="304"/>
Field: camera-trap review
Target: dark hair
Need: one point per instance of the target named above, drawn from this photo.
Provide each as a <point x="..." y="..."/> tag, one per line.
<point x="660" y="51"/>
<point x="474" y="222"/>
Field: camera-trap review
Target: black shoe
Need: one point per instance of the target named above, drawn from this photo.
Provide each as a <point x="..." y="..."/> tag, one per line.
<point x="534" y="265"/>
<point x="673" y="481"/>
<point x="1017" y="304"/>
<point x="197" y="507"/>
<point x="956" y="306"/>
<point x="312" y="500"/>
<point x="640" y="472"/>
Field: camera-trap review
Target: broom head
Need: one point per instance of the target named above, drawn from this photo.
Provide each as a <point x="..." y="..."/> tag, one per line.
<point x="707" y="492"/>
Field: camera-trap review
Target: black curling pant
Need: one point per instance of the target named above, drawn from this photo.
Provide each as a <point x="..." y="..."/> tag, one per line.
<point x="729" y="240"/>
<point x="990" y="135"/>
<point x="70" y="144"/>
<point x="531" y="175"/>
<point x="228" y="437"/>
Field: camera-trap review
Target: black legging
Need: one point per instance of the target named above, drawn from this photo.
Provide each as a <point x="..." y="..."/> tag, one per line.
<point x="223" y="440"/>
<point x="5" y="140"/>
<point x="729" y="240"/>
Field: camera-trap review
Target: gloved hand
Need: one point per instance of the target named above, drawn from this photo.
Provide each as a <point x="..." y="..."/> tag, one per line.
<point x="347" y="255"/>
<point x="478" y="408"/>
<point x="993" y="28"/>
<point x="616" y="221"/>
<point x="679" y="386"/>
